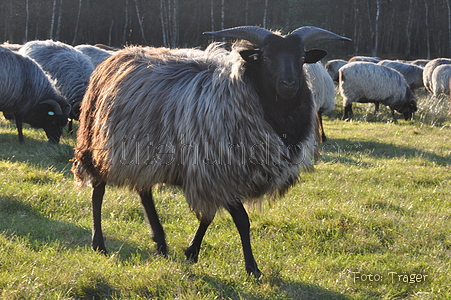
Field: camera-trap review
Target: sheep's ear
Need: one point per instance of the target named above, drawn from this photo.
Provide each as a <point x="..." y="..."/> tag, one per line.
<point x="314" y="55"/>
<point x="251" y="56"/>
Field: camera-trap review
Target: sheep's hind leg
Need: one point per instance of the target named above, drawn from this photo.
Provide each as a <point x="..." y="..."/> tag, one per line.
<point x="192" y="252"/>
<point x="242" y="223"/>
<point x="98" y="243"/>
<point x="158" y="232"/>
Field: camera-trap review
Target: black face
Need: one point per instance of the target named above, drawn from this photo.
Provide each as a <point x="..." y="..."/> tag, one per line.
<point x="280" y="63"/>
<point x="44" y="116"/>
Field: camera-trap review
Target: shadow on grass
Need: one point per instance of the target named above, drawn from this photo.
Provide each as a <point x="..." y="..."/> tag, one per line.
<point x="21" y="220"/>
<point x="285" y="289"/>
<point x="345" y="151"/>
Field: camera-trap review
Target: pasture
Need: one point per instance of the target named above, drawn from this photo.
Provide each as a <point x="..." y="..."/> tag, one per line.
<point x="372" y="222"/>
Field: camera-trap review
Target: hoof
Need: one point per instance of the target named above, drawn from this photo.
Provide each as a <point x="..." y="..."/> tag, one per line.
<point x="192" y="255"/>
<point x="100" y="249"/>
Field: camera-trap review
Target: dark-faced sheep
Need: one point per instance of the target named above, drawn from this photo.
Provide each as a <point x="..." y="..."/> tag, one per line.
<point x="26" y="95"/>
<point x="368" y="82"/>
<point x="323" y="91"/>
<point x="68" y="68"/>
<point x="225" y="127"/>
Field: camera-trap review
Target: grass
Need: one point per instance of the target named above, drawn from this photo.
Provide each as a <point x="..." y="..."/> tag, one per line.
<point x="376" y="208"/>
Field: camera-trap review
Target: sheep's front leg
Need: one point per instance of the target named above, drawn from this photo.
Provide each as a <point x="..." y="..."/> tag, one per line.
<point x="241" y="220"/>
<point x="158" y="233"/>
<point x="192" y="252"/>
<point x="97" y="243"/>
<point x="347" y="112"/>
<point x="19" y="126"/>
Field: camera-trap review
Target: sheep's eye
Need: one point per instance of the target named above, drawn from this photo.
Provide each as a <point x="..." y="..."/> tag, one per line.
<point x="302" y="58"/>
<point x="265" y="58"/>
<point x="51" y="113"/>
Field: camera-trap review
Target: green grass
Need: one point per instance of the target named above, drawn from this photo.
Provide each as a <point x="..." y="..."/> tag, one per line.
<point x="377" y="206"/>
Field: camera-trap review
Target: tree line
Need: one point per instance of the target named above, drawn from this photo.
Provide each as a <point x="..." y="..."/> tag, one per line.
<point x="401" y="29"/>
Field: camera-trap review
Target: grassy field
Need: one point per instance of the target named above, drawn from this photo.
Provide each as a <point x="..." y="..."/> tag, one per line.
<point x="372" y="222"/>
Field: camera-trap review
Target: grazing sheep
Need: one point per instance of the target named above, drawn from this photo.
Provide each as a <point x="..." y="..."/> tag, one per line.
<point x="365" y="59"/>
<point x="26" y="95"/>
<point x="323" y="91"/>
<point x="225" y="127"/>
<point x="68" y="68"/>
<point x="412" y="74"/>
<point x="95" y="54"/>
<point x="429" y="69"/>
<point x="440" y="80"/>
<point x="368" y="82"/>
<point x="332" y="67"/>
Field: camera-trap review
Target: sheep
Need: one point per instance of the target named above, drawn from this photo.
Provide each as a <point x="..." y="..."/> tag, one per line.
<point x="95" y="54"/>
<point x="368" y="82"/>
<point x="68" y="68"/>
<point x="419" y="62"/>
<point x="12" y="47"/>
<point x="429" y="69"/>
<point x="412" y="74"/>
<point x="440" y="80"/>
<point x="365" y="58"/>
<point x="26" y="95"/>
<point x="225" y="127"/>
<point x="332" y="67"/>
<point x="323" y="91"/>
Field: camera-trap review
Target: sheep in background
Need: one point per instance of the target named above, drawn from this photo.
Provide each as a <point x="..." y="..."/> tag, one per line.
<point x="412" y="74"/>
<point x="419" y="62"/>
<point x="332" y="67"/>
<point x="237" y="126"/>
<point x="68" y="68"/>
<point x="365" y="59"/>
<point x="95" y="54"/>
<point x="12" y="47"/>
<point x="440" y="80"/>
<point x="429" y="69"/>
<point x="323" y="91"/>
<point x="368" y="82"/>
<point x="26" y="95"/>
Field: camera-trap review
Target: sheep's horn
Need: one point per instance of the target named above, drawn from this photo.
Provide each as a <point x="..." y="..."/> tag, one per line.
<point x="312" y="33"/>
<point x="253" y="34"/>
<point x="55" y="105"/>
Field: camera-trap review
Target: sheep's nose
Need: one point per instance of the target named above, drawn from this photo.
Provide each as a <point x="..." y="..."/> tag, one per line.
<point x="289" y="83"/>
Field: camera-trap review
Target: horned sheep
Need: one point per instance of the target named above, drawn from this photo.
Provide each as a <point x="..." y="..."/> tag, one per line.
<point x="368" y="82"/>
<point x="323" y="91"/>
<point x="68" y="68"/>
<point x="224" y="126"/>
<point x="26" y="95"/>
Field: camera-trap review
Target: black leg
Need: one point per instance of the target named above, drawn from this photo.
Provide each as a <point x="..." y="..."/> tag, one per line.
<point x="98" y="243"/>
<point x="152" y="216"/>
<point x="19" y="128"/>
<point x="323" y="135"/>
<point x="347" y="113"/>
<point x="376" y="107"/>
<point x="192" y="252"/>
<point x="241" y="220"/>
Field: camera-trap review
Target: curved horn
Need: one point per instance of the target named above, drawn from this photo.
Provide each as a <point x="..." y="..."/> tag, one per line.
<point x="55" y="105"/>
<point x="312" y="33"/>
<point x="253" y="34"/>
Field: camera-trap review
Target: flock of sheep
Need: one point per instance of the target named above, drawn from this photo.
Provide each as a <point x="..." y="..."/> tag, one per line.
<point x="226" y="126"/>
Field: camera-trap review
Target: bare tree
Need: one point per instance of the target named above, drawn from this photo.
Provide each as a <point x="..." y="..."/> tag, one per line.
<point x="77" y="24"/>
<point x="140" y="21"/>
<point x="428" y="43"/>
<point x="265" y="13"/>
<point x="124" y="35"/>
<point x="58" y="26"/>
<point x="52" y="23"/>
<point x="376" y="28"/>
<point x="449" y="24"/>
<point x="26" y="21"/>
